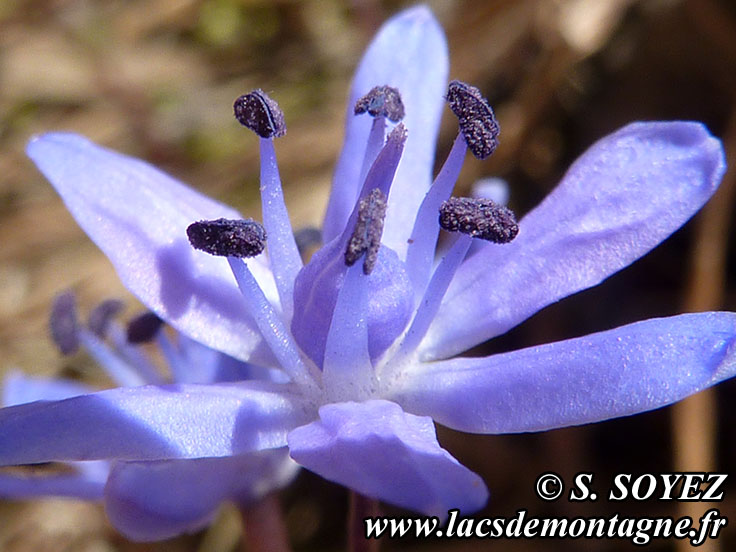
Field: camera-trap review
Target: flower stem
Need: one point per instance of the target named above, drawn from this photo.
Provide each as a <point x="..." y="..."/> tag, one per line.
<point x="263" y="527"/>
<point x="361" y="507"/>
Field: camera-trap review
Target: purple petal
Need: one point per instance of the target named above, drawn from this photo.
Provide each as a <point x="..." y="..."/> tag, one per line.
<point x="192" y="362"/>
<point x="380" y="451"/>
<point x="158" y="500"/>
<point x="151" y="423"/>
<point x="40" y="486"/>
<point x="20" y="389"/>
<point x="138" y="216"/>
<point x="149" y="501"/>
<point x="619" y="372"/>
<point x="624" y="196"/>
<point x="409" y="53"/>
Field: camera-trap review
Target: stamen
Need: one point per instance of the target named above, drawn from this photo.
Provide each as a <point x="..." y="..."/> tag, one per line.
<point x="423" y="241"/>
<point x="102" y="315"/>
<point x="174" y="358"/>
<point x="376" y="138"/>
<point x="348" y="187"/>
<point x="477" y="122"/>
<point x="379" y="177"/>
<point x="263" y="115"/>
<point x="132" y="355"/>
<point x="271" y="325"/>
<point x="366" y="237"/>
<point x="63" y="323"/>
<point x="228" y="238"/>
<point x="260" y="114"/>
<point x="436" y="289"/>
<point x="282" y="251"/>
<point x="120" y="371"/>
<point x="382" y="101"/>
<point x="143" y="328"/>
<point x="479" y="218"/>
<point x="383" y="169"/>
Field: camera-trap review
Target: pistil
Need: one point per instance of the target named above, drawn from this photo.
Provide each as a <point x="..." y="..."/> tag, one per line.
<point x="261" y="114"/>
<point x="381" y="175"/>
<point x="473" y="218"/>
<point x="236" y="240"/>
<point x="269" y="323"/>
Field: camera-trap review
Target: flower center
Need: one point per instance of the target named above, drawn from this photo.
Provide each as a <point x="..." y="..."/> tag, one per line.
<point x="388" y="305"/>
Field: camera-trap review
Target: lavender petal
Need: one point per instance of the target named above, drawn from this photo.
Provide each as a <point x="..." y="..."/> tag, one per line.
<point x="382" y="452"/>
<point x="619" y="372"/>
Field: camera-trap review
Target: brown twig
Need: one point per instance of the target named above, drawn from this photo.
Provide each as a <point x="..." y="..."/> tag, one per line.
<point x="361" y="507"/>
<point x="264" y="529"/>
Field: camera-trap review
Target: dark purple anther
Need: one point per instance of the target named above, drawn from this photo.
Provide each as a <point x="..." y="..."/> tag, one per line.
<point x="228" y="238"/>
<point x="366" y="237"/>
<point x="260" y="114"/>
<point x="479" y="218"/>
<point x="63" y="323"/>
<point x="477" y="122"/>
<point x="143" y="328"/>
<point x="382" y="101"/>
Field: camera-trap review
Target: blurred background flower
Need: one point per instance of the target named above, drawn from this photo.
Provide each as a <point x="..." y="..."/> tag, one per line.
<point x="156" y="79"/>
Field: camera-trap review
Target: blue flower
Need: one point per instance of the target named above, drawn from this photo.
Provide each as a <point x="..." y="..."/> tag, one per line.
<point x="145" y="500"/>
<point x="369" y="349"/>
